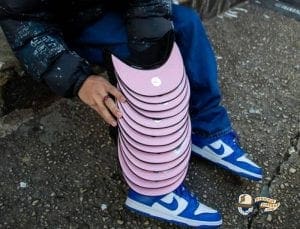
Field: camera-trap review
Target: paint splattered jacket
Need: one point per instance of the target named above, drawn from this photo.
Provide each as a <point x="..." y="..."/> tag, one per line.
<point x="35" y="30"/>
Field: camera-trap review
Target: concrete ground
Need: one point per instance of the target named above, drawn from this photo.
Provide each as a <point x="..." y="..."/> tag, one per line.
<point x="59" y="167"/>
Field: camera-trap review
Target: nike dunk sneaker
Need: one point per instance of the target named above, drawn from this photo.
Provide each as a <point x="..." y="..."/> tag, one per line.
<point x="179" y="207"/>
<point x="226" y="152"/>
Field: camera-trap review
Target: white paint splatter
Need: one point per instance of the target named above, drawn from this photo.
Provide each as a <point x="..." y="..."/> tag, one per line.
<point x="231" y="14"/>
<point x="241" y="9"/>
<point x="23" y="184"/>
<point x="1" y="65"/>
<point x="103" y="207"/>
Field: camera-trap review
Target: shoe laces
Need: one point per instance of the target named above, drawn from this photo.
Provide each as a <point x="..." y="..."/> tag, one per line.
<point x="236" y="140"/>
<point x="235" y="137"/>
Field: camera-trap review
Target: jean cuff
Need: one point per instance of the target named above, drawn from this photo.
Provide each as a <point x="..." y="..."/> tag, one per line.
<point x="213" y="135"/>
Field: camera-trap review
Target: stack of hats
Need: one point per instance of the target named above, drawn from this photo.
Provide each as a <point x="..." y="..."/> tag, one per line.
<point x="154" y="141"/>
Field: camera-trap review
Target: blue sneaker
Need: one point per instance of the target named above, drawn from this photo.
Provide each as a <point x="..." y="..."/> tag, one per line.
<point x="226" y="152"/>
<point x="179" y="207"/>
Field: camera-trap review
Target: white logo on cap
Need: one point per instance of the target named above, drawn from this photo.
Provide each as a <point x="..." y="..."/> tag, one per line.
<point x="156" y="82"/>
<point x="178" y="150"/>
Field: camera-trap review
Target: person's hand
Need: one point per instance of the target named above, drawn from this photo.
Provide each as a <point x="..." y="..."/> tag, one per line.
<point x="95" y="92"/>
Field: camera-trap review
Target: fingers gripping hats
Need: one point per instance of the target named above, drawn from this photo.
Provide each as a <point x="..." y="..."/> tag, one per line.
<point x="154" y="133"/>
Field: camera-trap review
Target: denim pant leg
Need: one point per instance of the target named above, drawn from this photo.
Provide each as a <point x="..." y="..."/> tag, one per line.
<point x="108" y="33"/>
<point x="209" y="118"/>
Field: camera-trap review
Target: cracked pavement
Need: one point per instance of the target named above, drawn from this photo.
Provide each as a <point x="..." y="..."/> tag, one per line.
<point x="59" y="167"/>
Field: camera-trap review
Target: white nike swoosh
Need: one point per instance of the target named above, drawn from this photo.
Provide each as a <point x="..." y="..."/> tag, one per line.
<point x="218" y="145"/>
<point x="168" y="199"/>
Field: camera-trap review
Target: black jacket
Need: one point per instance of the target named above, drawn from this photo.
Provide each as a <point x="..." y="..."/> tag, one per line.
<point x="35" y="30"/>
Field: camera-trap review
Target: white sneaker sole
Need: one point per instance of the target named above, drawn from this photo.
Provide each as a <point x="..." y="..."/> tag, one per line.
<point x="134" y="205"/>
<point x="212" y="157"/>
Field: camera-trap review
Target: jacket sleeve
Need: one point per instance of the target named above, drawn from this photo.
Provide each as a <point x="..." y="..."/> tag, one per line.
<point x="40" y="47"/>
<point x="149" y="8"/>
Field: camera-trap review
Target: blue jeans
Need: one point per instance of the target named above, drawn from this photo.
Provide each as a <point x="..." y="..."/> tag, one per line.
<point x="208" y="117"/>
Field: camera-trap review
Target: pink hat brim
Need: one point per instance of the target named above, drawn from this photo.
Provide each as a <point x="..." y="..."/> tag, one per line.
<point x="127" y="172"/>
<point x="151" y="191"/>
<point x="157" y="149"/>
<point x="151" y="140"/>
<point x="152" y="122"/>
<point x="157" y="167"/>
<point x="153" y="131"/>
<point x="156" y="107"/>
<point x="167" y="113"/>
<point x="153" y="175"/>
<point x="142" y="81"/>
<point x="155" y="99"/>
<point x="152" y="157"/>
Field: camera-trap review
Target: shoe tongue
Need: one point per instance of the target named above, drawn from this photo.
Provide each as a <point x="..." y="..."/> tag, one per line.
<point x="235" y="137"/>
<point x="183" y="192"/>
<point x="180" y="189"/>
